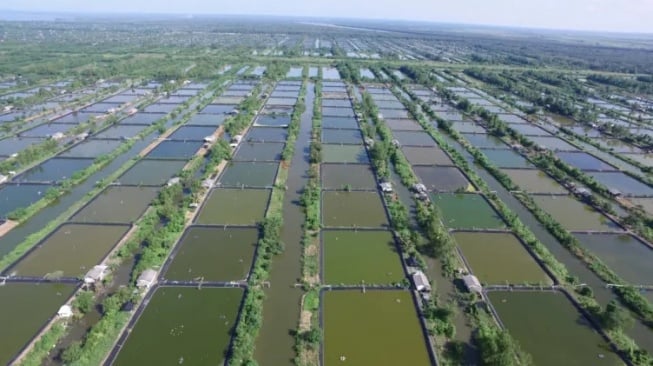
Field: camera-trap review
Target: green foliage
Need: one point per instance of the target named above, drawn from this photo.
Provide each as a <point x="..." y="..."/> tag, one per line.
<point x="498" y="348"/>
<point x="84" y="301"/>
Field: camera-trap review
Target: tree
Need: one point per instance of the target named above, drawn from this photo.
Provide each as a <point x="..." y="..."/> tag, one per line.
<point x="615" y="317"/>
<point x="84" y="302"/>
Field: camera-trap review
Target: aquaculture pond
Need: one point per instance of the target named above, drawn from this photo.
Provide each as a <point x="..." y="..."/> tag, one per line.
<point x="414" y="138"/>
<point x="256" y="151"/>
<point x="190" y="326"/>
<point x="234" y="207"/>
<point x="24" y="309"/>
<point x="337" y="112"/>
<point x="266" y="134"/>
<point x="403" y="125"/>
<point x="545" y="321"/>
<point x="47" y="130"/>
<point x="120" y="131"/>
<point x="499" y="258"/>
<point x="357" y="257"/>
<point x="213" y="120"/>
<point x="646" y="203"/>
<point x="626" y="255"/>
<point x="529" y="130"/>
<point x="152" y="172"/>
<point x="624" y="183"/>
<point x="15" y="196"/>
<point x="534" y="181"/>
<point x="340" y="122"/>
<point x="504" y="158"/>
<point x="357" y="209"/>
<point x="54" y="170"/>
<point x="70" y="251"/>
<point x="249" y="174"/>
<point x="217" y="109"/>
<point x="92" y="149"/>
<point x="330" y="136"/>
<point x="13" y="145"/>
<point x="142" y="119"/>
<point x="344" y="154"/>
<point x="481" y="140"/>
<point x="272" y="121"/>
<point x="552" y="143"/>
<point x="197" y="133"/>
<point x="213" y="254"/>
<point x="426" y="156"/>
<point x="574" y="215"/>
<point x="466" y="211"/>
<point x="340" y="103"/>
<point x="117" y="204"/>
<point x="372" y="327"/>
<point x="583" y="161"/>
<point x="175" y="150"/>
<point x="442" y="179"/>
<point x="347" y="176"/>
<point x="468" y="127"/>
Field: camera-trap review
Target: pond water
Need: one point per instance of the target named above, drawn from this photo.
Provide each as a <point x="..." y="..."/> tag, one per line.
<point x="197" y="133"/>
<point x="14" y="196"/>
<point x="92" y="149"/>
<point x="142" y="118"/>
<point x="120" y="131"/>
<point x="272" y="120"/>
<point x="403" y="125"/>
<point x="426" y="156"/>
<point x="357" y="209"/>
<point x="54" y="170"/>
<point x="190" y="326"/>
<point x="330" y="136"/>
<point x="534" y="181"/>
<point x="249" y="174"/>
<point x="234" y="207"/>
<point x="24" y="309"/>
<point x="574" y="215"/>
<point x="213" y="254"/>
<point x="47" y="130"/>
<point x="411" y="138"/>
<point x="256" y="151"/>
<point x="442" y="179"/>
<point x="499" y="258"/>
<point x="213" y="120"/>
<point x="529" y="130"/>
<point x="466" y="211"/>
<point x="13" y="145"/>
<point x="354" y="176"/>
<point x="481" y="140"/>
<point x="340" y="122"/>
<point x="70" y="251"/>
<point x="152" y="172"/>
<point x="504" y="158"/>
<point x="584" y="161"/>
<point x="266" y="134"/>
<point x="357" y="257"/>
<point x="175" y="150"/>
<point x="117" y="204"/>
<point x="344" y="154"/>
<point x="468" y="127"/>
<point x="339" y="103"/>
<point x="545" y="321"/>
<point x="629" y="257"/>
<point x="372" y="328"/>
<point x="337" y="112"/>
<point x="552" y="143"/>
<point x="624" y="183"/>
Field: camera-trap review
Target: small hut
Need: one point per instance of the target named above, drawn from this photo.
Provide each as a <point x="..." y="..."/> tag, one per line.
<point x="472" y="283"/>
<point x="65" y="312"/>
<point x="421" y="282"/>
<point x="96" y="274"/>
<point x="146" y="279"/>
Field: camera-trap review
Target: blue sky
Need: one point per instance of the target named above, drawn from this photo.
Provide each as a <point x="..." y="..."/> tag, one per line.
<point x="604" y="15"/>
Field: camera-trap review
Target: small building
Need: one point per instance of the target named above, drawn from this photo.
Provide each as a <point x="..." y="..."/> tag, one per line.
<point x="3" y="178"/>
<point x="7" y="108"/>
<point x="57" y="136"/>
<point x="614" y="192"/>
<point x="386" y="187"/>
<point x="233" y="112"/>
<point x="369" y="142"/>
<point x="421" y="282"/>
<point x="82" y="136"/>
<point x="472" y="284"/>
<point x="207" y="183"/>
<point x="237" y="138"/>
<point x="96" y="274"/>
<point x="65" y="312"/>
<point x="209" y="139"/>
<point x="583" y="192"/>
<point x="173" y="181"/>
<point x="133" y="111"/>
<point x="146" y="279"/>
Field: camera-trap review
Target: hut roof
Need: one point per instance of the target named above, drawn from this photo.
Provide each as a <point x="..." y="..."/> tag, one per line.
<point x="421" y="281"/>
<point x="472" y="283"/>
